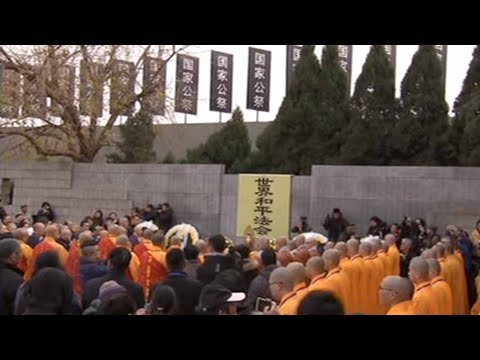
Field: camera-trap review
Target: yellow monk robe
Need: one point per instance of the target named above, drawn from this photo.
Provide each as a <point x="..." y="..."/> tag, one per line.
<point x="288" y="305"/>
<point x="346" y="271"/>
<point x="153" y="269"/>
<point x="394" y="260"/>
<point x="403" y="308"/>
<point x="49" y="244"/>
<point x="380" y="275"/>
<point x="338" y="283"/>
<point x="371" y="286"/>
<point x="447" y="272"/>
<point x="106" y="245"/>
<point x="318" y="283"/>
<point x="476" y="307"/>
<point x="357" y="283"/>
<point x="443" y="295"/>
<point x="424" y="300"/>
<point x="459" y="286"/>
<point x="301" y="290"/>
<point x="134" y="268"/>
<point x="26" y="264"/>
<point x="72" y="267"/>
<point x="382" y="255"/>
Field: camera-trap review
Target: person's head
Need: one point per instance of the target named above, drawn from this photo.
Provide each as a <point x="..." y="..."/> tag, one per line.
<point x="85" y="225"/>
<point x="331" y="258"/>
<point x="98" y="230"/>
<point x="418" y="270"/>
<point x="66" y="234"/>
<point x="406" y="245"/>
<point x="149" y="208"/>
<point x="124" y="222"/>
<point x="375" y="221"/>
<point x="394" y="290"/>
<point x="47" y="259"/>
<point x="39" y="229"/>
<point x="123" y="241"/>
<point x="298" y="272"/>
<point x="284" y="258"/>
<point x="320" y="303"/>
<point x="329" y="245"/>
<point x="119" y="259"/>
<point x="217" y="243"/>
<point x="394" y="228"/>
<point x="115" y="300"/>
<point x="113" y="215"/>
<point x="175" y="260"/>
<point x="166" y="206"/>
<point x="376" y="245"/>
<point x="365" y="249"/>
<point x="148" y="234"/>
<point x="89" y="250"/>
<point x="202" y="246"/>
<point x="447" y="244"/>
<point x="428" y="254"/>
<point x="262" y="243"/>
<point x="281" y="283"/>
<point x="310" y="242"/>
<point x="84" y="237"/>
<point x="390" y="239"/>
<point x="315" y="266"/>
<point x="191" y="253"/>
<point x="337" y="214"/>
<point x="51" y="231"/>
<point x="434" y="268"/>
<point x="51" y="291"/>
<point x="242" y="250"/>
<point x="11" y="227"/>
<point x="158" y="239"/>
<point x="300" y="240"/>
<point x="163" y="301"/>
<point x="216" y="299"/>
<point x="440" y="250"/>
<point x="46" y="206"/>
<point x="98" y="214"/>
<point x="268" y="257"/>
<point x="341" y="247"/>
<point x="281" y="242"/>
<point x="135" y="220"/>
<point x="21" y="234"/>
<point x="10" y="252"/>
<point x="352" y="247"/>
<point x="24" y="209"/>
<point x="432" y="230"/>
<point x="176" y="241"/>
<point x="119" y="230"/>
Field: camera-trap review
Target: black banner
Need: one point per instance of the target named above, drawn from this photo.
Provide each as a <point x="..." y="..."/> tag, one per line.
<point x="154" y="75"/>
<point x="258" y="92"/>
<point x="441" y="51"/>
<point x="293" y="56"/>
<point x="92" y="79"/>
<point x="186" y="84"/>
<point x="65" y="79"/>
<point x="9" y="93"/>
<point x="34" y="97"/>
<point x="122" y="87"/>
<point x="221" y="82"/>
<point x="345" y="53"/>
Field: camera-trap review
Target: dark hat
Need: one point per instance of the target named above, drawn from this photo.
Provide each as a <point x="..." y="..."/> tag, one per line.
<point x="214" y="296"/>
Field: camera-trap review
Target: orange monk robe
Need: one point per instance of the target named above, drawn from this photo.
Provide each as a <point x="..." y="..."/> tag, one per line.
<point x="153" y="268"/>
<point x="476" y="307"/>
<point x="443" y="295"/>
<point x="26" y="264"/>
<point x="447" y="271"/>
<point x="49" y="244"/>
<point x="382" y="255"/>
<point x="301" y="290"/>
<point x="318" y="283"/>
<point x="338" y="283"/>
<point x="141" y="248"/>
<point x="134" y="268"/>
<point x="425" y="300"/>
<point x="379" y="276"/>
<point x="72" y="267"/>
<point x="458" y="285"/>
<point x="372" y="282"/>
<point x="346" y="271"/>
<point x="394" y="260"/>
<point x="106" y="245"/>
<point x="357" y="283"/>
<point x="289" y="304"/>
<point x="403" y="308"/>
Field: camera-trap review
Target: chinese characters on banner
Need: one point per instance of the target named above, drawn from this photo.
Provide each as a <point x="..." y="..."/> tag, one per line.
<point x="293" y="56"/>
<point x="345" y="53"/>
<point x="186" y="88"/>
<point x="122" y="88"/>
<point x="258" y="93"/>
<point x="441" y="51"/>
<point x="154" y="74"/>
<point x="65" y="79"/>
<point x="264" y="204"/>
<point x="9" y="93"/>
<point x="221" y="81"/>
<point x="91" y="88"/>
<point x="34" y="97"/>
<point x="391" y="51"/>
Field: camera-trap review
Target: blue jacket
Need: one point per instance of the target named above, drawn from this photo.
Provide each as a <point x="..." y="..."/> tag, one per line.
<point x="91" y="270"/>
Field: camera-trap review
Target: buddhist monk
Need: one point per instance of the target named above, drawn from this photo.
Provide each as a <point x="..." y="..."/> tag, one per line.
<point x="317" y="274"/>
<point x="424" y="299"/>
<point x="372" y="280"/>
<point x="329" y="245"/>
<point x="153" y="265"/>
<point x="202" y="249"/>
<point x="299" y="279"/>
<point x="26" y="264"/>
<point x="393" y="255"/>
<point x="337" y="281"/>
<point x="49" y="243"/>
<point x="446" y="272"/>
<point x="281" y="243"/>
<point x="396" y="295"/>
<point x="133" y="272"/>
<point x="176" y="242"/>
<point x="428" y="254"/>
<point x="302" y="255"/>
<point x="381" y="255"/>
<point x="476" y="307"/>
<point x="146" y="239"/>
<point x="300" y="240"/>
<point x="357" y="278"/>
<point x="440" y="287"/>
<point x="72" y="267"/>
<point x="281" y="286"/>
<point x="459" y="279"/>
<point x="284" y="258"/>
<point x="109" y="242"/>
<point x="341" y="247"/>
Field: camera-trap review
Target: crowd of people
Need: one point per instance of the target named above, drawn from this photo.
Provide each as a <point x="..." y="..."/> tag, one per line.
<point x="127" y="266"/>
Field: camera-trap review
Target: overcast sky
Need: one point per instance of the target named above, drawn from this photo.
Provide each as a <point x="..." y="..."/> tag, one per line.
<point x="459" y="57"/>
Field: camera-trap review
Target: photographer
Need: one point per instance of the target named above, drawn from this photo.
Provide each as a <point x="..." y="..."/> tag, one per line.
<point x="164" y="218"/>
<point x="335" y="224"/>
<point x="46" y="211"/>
<point x="302" y="227"/>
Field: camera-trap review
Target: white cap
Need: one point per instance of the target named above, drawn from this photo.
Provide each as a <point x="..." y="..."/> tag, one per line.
<point x="237" y="297"/>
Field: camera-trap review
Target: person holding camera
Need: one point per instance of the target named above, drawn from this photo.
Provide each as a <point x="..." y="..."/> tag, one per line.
<point x="335" y="224"/>
<point x="46" y="212"/>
